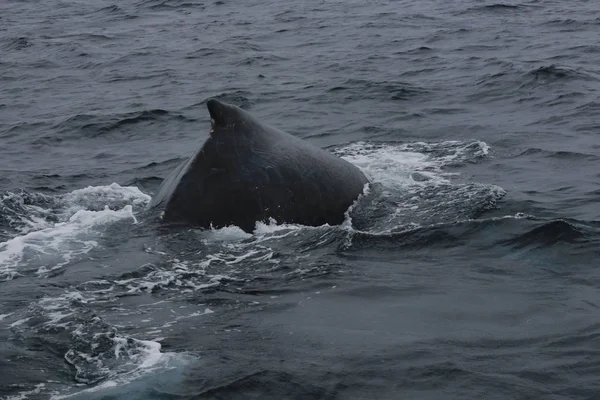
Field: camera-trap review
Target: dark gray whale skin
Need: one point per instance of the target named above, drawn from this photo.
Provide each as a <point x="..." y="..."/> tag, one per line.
<point x="248" y="171"/>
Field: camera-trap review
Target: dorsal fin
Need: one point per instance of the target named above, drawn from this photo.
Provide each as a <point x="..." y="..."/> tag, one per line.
<point x="222" y="114"/>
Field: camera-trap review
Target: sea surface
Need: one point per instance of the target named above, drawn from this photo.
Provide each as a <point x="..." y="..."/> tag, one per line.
<point x="468" y="270"/>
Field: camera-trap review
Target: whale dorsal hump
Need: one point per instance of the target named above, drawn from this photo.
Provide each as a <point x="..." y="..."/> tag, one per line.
<point x="223" y="115"/>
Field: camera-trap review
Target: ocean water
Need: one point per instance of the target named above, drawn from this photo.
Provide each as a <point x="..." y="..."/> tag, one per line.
<point x="468" y="269"/>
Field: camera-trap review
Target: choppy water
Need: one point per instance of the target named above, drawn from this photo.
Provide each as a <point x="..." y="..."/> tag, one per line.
<point x="468" y="271"/>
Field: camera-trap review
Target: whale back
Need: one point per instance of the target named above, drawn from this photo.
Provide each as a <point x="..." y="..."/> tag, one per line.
<point x="247" y="171"/>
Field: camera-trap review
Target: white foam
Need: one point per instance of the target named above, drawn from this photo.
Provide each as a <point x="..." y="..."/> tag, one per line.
<point x="2" y="316"/>
<point x="56" y="309"/>
<point x="24" y="395"/>
<point x="125" y="360"/>
<point x="206" y="311"/>
<point x="228" y="233"/>
<point x="388" y="164"/>
<point x="25" y="217"/>
<point x="274" y="231"/>
<point x="33" y="222"/>
<point x="107" y="195"/>
<point x="57" y="245"/>
<point x="19" y="322"/>
<point x="243" y="257"/>
<point x="274" y="227"/>
<point x="394" y="164"/>
<point x="151" y="361"/>
<point x="54" y="245"/>
<point x="413" y="184"/>
<point x="347" y="224"/>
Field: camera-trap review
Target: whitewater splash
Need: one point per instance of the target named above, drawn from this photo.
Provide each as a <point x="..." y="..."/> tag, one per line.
<point x="408" y="164"/>
<point x="46" y="244"/>
<point x="414" y="190"/>
<point x="411" y="186"/>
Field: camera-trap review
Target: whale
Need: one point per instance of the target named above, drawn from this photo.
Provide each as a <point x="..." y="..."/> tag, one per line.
<point x="247" y="171"/>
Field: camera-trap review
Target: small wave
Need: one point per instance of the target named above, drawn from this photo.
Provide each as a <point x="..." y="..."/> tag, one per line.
<point x="130" y="77"/>
<point x="81" y="36"/>
<point x="544" y="74"/>
<point x="357" y="89"/>
<point x="243" y="45"/>
<point x="19" y="43"/>
<point x="570" y="24"/>
<point x="562" y="22"/>
<point x="564" y="99"/>
<point x="420" y="50"/>
<point x="289" y="16"/>
<point x="177" y="5"/>
<point x="169" y="4"/>
<point x="587" y="48"/>
<point x="205" y="52"/>
<point x="571" y="155"/>
<point x="441" y="234"/>
<point x="262" y="383"/>
<point x="22" y="128"/>
<point x="500" y="6"/>
<point x="110" y="9"/>
<point x="497" y="7"/>
<point x="592" y="107"/>
<point x="551" y="233"/>
<point x="512" y="83"/>
<point x="551" y="71"/>
<point x="168" y="163"/>
<point x="552" y="74"/>
<point x="260" y="59"/>
<point x="100" y="125"/>
<point x="559" y="155"/>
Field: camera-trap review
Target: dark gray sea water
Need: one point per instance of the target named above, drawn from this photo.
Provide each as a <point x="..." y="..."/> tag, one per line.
<point x="469" y="270"/>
